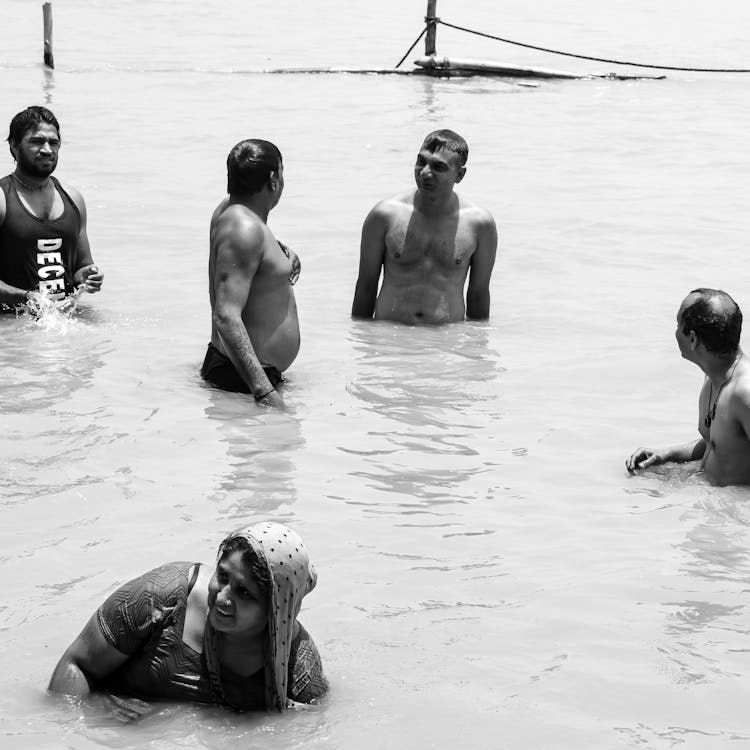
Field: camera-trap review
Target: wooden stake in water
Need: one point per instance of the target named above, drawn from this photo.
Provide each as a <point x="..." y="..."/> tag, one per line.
<point x="429" y="40"/>
<point x="49" y="58"/>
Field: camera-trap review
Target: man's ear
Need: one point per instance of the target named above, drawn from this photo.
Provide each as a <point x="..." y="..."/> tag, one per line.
<point x="461" y="173"/>
<point x="13" y="146"/>
<point x="693" y="340"/>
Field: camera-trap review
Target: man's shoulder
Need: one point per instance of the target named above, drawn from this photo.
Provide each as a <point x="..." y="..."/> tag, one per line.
<point x="473" y="212"/>
<point x="73" y="192"/>
<point x="741" y="389"/>
<point x="394" y="205"/>
<point x="236" y="218"/>
<point x="236" y="230"/>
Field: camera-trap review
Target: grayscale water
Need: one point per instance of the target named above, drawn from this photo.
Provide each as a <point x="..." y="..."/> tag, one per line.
<point x="489" y="575"/>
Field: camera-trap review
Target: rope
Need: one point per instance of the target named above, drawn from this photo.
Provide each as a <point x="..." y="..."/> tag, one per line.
<point x="416" y="41"/>
<point x="585" y="57"/>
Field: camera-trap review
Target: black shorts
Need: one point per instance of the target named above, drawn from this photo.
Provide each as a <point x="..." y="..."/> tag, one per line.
<point x="219" y="371"/>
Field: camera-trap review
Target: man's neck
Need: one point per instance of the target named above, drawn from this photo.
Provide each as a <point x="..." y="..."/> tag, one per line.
<point x="31" y="182"/>
<point x="719" y="369"/>
<point x="256" y="202"/>
<point x="433" y="205"/>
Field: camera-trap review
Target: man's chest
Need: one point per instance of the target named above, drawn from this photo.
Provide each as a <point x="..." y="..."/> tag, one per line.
<point x="444" y="243"/>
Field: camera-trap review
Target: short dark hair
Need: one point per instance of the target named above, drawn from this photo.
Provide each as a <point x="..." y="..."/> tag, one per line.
<point x="716" y="319"/>
<point x="30" y="118"/>
<point x="250" y="559"/>
<point x="249" y="165"/>
<point x="449" y="140"/>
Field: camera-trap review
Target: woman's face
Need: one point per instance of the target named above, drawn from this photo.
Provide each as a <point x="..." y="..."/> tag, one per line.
<point x="235" y="601"/>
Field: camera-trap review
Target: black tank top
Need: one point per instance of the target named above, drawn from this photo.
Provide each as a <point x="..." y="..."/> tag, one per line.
<point x="36" y="254"/>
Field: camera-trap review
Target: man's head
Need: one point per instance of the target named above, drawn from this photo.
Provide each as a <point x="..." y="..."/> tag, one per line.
<point x="441" y="161"/>
<point x="712" y="318"/>
<point x="252" y="165"/>
<point x="34" y="140"/>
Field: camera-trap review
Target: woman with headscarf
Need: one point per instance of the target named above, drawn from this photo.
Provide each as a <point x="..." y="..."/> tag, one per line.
<point x="186" y="632"/>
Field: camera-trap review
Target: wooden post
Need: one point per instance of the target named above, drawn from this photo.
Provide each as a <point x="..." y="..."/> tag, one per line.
<point x="49" y="58"/>
<point x="429" y="40"/>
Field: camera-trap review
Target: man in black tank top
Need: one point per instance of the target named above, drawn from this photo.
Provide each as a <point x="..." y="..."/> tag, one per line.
<point x="44" y="248"/>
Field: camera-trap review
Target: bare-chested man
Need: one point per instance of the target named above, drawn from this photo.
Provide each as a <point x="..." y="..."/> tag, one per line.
<point x="426" y="241"/>
<point x="709" y="323"/>
<point x="255" y="331"/>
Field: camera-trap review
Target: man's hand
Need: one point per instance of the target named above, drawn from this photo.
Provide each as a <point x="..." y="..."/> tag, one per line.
<point x="643" y="458"/>
<point x="272" y="400"/>
<point x="90" y="277"/>
<point x="295" y="261"/>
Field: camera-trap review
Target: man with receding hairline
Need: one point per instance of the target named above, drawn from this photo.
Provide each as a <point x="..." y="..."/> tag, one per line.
<point x="426" y="242"/>
<point x="709" y="323"/>
<point x="254" y="325"/>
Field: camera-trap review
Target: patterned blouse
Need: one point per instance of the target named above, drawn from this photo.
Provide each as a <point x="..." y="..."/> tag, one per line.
<point x="145" y="619"/>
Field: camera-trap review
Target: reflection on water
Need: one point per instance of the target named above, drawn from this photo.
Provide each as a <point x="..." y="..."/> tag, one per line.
<point x="708" y="628"/>
<point x="258" y="475"/>
<point x="431" y="401"/>
<point x="48" y="363"/>
<point x="48" y="87"/>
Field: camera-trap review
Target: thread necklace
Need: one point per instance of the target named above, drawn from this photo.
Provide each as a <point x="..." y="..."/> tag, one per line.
<point x="711" y="411"/>
<point x="30" y="187"/>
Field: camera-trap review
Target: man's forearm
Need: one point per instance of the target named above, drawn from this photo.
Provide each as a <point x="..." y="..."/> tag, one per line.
<point x="365" y="296"/>
<point x="240" y="350"/>
<point x="478" y="305"/>
<point x="682" y="453"/>
<point x="12" y="295"/>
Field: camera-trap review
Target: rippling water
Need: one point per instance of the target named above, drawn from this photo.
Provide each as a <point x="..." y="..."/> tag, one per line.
<point x="490" y="577"/>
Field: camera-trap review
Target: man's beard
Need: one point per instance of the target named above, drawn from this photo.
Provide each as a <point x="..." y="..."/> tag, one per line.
<point x="35" y="169"/>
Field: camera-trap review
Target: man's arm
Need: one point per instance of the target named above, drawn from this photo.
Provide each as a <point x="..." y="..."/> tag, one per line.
<point x="645" y="457"/>
<point x="239" y="251"/>
<point x="9" y="295"/>
<point x="480" y="270"/>
<point x="371" y="257"/>
<point x="86" y="271"/>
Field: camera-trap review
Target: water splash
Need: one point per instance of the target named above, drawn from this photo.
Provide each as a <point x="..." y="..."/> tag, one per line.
<point x="52" y="314"/>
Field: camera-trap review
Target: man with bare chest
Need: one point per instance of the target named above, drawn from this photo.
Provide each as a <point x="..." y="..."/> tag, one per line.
<point x="44" y="247"/>
<point x="709" y="324"/>
<point x="254" y="328"/>
<point x="426" y="242"/>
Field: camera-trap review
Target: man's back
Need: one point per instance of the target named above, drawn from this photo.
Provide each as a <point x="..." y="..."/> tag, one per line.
<point x="727" y="458"/>
<point x="244" y="253"/>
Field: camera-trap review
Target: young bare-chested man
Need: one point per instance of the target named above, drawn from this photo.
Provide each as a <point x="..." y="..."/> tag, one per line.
<point x="709" y="323"/>
<point x="44" y="247"/>
<point x="255" y="331"/>
<point x="426" y="241"/>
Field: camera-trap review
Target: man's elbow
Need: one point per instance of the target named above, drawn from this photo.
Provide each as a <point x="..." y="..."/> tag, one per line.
<point x="225" y="318"/>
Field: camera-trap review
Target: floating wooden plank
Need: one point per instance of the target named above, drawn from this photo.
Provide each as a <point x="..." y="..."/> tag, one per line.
<point x="366" y="71"/>
<point x="444" y="66"/>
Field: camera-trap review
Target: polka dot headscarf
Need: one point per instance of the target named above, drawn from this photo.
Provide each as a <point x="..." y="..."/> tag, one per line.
<point x="292" y="577"/>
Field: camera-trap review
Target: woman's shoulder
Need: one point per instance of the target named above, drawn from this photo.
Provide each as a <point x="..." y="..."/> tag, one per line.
<point x="306" y="679"/>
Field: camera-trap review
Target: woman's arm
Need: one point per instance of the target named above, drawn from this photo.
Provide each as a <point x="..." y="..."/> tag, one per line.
<point x="89" y="659"/>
